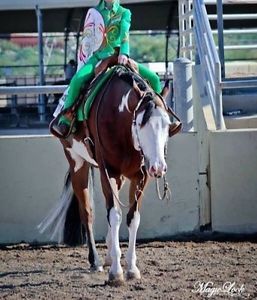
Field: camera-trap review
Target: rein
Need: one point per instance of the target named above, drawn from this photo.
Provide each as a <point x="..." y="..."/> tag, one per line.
<point x="166" y="189"/>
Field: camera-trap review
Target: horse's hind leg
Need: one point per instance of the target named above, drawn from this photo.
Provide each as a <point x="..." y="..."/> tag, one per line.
<point x="80" y="183"/>
<point x="137" y="186"/>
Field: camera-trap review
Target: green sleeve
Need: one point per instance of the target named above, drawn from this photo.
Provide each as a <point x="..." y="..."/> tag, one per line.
<point x="124" y="32"/>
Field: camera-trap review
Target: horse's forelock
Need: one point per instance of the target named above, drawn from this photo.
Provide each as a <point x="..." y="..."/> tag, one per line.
<point x="148" y="112"/>
<point x="151" y="101"/>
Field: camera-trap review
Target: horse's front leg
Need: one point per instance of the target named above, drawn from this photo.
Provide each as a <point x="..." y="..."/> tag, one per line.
<point x="137" y="186"/>
<point x="80" y="183"/>
<point x="114" y="215"/>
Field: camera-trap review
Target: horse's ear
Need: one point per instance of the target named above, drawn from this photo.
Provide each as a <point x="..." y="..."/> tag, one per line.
<point x="137" y="90"/>
<point x="166" y="89"/>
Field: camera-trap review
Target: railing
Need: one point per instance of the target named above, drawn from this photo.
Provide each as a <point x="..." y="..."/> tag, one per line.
<point x="15" y="114"/>
<point x="233" y="83"/>
<point x="208" y="59"/>
<point x="206" y="51"/>
<point x="23" y="90"/>
<point x="11" y="94"/>
<point x="186" y="28"/>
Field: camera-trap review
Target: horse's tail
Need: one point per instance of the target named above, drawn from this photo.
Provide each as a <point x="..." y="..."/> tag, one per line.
<point x="63" y="222"/>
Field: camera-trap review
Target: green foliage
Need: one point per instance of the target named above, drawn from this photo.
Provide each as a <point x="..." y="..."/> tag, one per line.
<point x="144" y="48"/>
<point x="239" y="39"/>
<point x="23" y="61"/>
<point x="151" y="48"/>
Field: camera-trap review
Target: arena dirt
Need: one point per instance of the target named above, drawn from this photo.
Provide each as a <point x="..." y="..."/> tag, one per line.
<point x="170" y="270"/>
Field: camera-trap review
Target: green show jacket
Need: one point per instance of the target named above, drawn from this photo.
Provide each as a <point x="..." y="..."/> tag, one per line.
<point x="117" y="24"/>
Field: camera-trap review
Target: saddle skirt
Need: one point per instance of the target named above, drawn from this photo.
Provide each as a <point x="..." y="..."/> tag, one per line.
<point x="94" y="88"/>
<point x="97" y="84"/>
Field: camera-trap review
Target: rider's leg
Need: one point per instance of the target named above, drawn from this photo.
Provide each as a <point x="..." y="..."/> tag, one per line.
<point x="151" y="76"/>
<point x="85" y="74"/>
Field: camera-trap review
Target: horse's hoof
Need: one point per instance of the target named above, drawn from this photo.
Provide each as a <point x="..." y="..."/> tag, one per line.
<point x="116" y="280"/>
<point x="133" y="275"/>
<point x="96" y="269"/>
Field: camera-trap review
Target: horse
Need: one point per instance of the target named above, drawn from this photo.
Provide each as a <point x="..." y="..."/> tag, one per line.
<point x="128" y="129"/>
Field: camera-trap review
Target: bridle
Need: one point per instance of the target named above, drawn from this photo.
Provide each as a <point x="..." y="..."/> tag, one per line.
<point x="166" y="189"/>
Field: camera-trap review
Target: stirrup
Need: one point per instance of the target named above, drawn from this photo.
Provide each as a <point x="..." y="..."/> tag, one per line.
<point x="54" y="130"/>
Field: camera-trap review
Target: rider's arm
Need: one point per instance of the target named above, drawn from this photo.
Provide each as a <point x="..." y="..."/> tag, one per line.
<point x="124" y="32"/>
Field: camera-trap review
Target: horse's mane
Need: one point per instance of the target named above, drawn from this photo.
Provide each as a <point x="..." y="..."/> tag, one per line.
<point x="149" y="99"/>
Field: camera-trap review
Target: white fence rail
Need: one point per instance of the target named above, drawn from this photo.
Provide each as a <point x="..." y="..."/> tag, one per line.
<point x="23" y="90"/>
<point x="195" y="17"/>
<point x="208" y="59"/>
<point x="186" y="28"/>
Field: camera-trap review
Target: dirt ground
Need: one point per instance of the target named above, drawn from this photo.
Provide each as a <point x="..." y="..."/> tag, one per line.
<point x="170" y="270"/>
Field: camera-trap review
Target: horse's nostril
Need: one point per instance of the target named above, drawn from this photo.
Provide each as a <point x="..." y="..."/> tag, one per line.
<point x="153" y="170"/>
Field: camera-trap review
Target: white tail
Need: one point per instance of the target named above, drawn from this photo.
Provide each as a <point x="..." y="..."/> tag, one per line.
<point x="54" y="222"/>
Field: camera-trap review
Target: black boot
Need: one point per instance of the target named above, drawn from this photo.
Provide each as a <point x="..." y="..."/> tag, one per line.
<point x="62" y="129"/>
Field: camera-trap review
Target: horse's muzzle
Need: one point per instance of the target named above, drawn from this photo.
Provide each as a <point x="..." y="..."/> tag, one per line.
<point x="157" y="170"/>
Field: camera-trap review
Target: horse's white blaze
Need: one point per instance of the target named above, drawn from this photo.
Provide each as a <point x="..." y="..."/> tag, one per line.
<point x="115" y="221"/>
<point x="152" y="138"/>
<point x="80" y="149"/>
<point x="124" y="102"/>
<point x="131" y="254"/>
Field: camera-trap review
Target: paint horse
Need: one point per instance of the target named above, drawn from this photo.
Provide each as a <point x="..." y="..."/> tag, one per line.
<point x="129" y="127"/>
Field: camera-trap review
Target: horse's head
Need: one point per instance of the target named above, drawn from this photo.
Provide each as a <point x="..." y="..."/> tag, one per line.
<point x="151" y="131"/>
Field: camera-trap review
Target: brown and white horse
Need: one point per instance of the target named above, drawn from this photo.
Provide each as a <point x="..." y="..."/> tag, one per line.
<point x="129" y="129"/>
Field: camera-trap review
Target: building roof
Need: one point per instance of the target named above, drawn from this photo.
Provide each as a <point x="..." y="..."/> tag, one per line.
<point x="48" y="4"/>
<point x="60" y="14"/>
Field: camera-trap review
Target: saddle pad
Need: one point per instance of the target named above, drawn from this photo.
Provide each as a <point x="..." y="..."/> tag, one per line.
<point x="84" y="109"/>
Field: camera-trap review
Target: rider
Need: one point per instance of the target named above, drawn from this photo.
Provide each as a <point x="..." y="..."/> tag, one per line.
<point x="116" y="40"/>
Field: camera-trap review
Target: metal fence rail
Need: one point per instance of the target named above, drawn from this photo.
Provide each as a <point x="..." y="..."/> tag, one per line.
<point x="14" y="113"/>
<point x="186" y="28"/>
<point x="208" y="59"/>
<point x="206" y="55"/>
<point x="22" y="90"/>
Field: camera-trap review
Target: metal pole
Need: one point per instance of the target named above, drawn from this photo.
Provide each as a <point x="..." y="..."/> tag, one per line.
<point x="183" y="92"/>
<point x="181" y="26"/>
<point x="167" y="53"/>
<point x="66" y="39"/>
<point x="221" y="37"/>
<point x="42" y="104"/>
<point x="219" y="105"/>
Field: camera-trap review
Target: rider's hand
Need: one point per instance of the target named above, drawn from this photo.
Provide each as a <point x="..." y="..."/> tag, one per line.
<point x="122" y="59"/>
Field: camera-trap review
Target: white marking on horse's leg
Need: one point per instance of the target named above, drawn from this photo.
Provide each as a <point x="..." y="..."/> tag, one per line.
<point x="108" y="258"/>
<point x="81" y="150"/>
<point x="78" y="160"/>
<point x="116" y="272"/>
<point x="124" y="102"/>
<point x="132" y="270"/>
